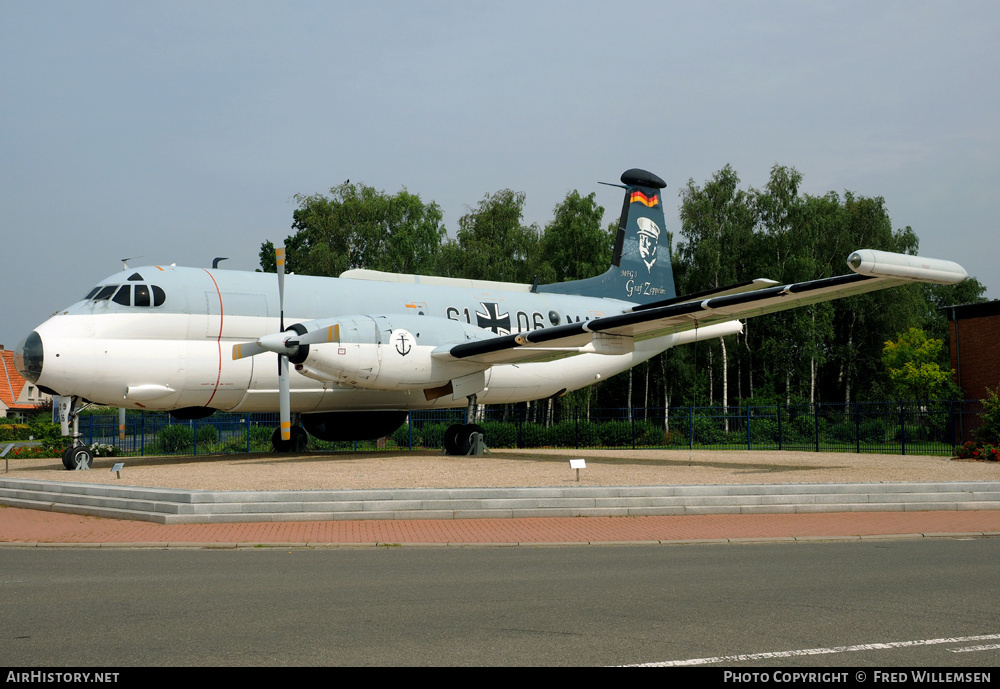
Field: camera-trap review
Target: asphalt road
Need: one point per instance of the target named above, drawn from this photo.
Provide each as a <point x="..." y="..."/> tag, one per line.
<point x="607" y="605"/>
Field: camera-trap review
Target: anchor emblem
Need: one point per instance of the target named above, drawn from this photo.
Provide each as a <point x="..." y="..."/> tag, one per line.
<point x="402" y="345"/>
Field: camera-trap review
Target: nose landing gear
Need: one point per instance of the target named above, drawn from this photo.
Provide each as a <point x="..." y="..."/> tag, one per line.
<point x="77" y="456"/>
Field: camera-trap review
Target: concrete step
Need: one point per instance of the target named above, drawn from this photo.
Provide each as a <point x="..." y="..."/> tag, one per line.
<point x="178" y="506"/>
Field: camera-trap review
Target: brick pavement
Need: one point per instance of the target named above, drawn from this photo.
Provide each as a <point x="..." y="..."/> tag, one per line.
<point x="21" y="527"/>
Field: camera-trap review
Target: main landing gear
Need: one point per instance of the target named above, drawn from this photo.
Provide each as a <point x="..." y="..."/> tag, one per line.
<point x="465" y="438"/>
<point x="77" y="456"/>
<point x="296" y="443"/>
<point x="460" y="439"/>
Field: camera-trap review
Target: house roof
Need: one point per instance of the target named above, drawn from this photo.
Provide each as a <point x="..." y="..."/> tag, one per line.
<point x="979" y="310"/>
<point x="11" y="382"/>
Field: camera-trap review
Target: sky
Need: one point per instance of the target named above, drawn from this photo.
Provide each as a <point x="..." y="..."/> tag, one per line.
<point x="175" y="132"/>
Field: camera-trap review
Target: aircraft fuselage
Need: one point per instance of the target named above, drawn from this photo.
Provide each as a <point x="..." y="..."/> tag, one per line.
<point x="124" y="349"/>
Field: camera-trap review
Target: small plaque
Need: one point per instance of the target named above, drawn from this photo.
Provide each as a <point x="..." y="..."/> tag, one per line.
<point x="577" y="464"/>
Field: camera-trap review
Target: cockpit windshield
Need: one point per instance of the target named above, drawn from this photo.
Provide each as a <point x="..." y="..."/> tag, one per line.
<point x="128" y="295"/>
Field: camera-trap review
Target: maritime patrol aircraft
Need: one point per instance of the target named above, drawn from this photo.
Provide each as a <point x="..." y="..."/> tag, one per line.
<point x="364" y="349"/>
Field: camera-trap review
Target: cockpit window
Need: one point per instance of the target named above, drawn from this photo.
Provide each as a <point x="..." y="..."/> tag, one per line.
<point x="134" y="276"/>
<point x="105" y="292"/>
<point x="124" y="296"/>
<point x="129" y="295"/>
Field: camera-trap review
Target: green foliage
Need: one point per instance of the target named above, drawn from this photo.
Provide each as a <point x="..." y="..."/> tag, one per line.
<point x="14" y="431"/>
<point x="940" y="297"/>
<point x="207" y="435"/>
<point x="912" y="364"/>
<point x="175" y="438"/>
<point x="430" y="435"/>
<point x="401" y="436"/>
<point x="357" y="226"/>
<point x="500" y="434"/>
<point x="493" y="244"/>
<point x="574" y="244"/>
<point x="989" y="428"/>
<point x="533" y="435"/>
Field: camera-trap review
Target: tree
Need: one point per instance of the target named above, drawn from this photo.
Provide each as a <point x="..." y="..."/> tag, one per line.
<point x="574" y="244"/>
<point x="717" y="222"/>
<point x="493" y="244"/>
<point x="913" y="364"/>
<point x="357" y="226"/>
<point x="940" y="297"/>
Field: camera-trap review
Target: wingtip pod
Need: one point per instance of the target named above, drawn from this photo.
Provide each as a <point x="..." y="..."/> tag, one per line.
<point x="886" y="264"/>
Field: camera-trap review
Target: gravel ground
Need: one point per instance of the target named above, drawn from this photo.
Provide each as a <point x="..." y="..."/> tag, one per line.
<point x="509" y="468"/>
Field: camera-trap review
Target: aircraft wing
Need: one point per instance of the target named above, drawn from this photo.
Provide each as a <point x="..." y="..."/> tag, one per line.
<point x="874" y="270"/>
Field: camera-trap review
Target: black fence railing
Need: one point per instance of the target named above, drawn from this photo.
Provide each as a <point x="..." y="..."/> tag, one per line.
<point x="872" y="427"/>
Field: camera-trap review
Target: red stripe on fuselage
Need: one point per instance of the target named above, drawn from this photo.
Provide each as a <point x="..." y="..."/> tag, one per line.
<point x="218" y="341"/>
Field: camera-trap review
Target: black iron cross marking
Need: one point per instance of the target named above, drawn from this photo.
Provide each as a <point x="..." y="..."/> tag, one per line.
<point x="493" y="319"/>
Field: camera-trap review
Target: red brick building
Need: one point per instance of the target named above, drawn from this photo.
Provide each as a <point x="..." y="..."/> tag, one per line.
<point x="974" y="331"/>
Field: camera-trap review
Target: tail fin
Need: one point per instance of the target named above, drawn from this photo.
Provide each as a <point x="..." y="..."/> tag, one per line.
<point x="640" y="267"/>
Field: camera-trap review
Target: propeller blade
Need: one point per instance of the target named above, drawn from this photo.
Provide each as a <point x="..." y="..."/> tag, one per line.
<point x="245" y="349"/>
<point x="321" y="335"/>
<point x="284" y="398"/>
<point x="279" y="259"/>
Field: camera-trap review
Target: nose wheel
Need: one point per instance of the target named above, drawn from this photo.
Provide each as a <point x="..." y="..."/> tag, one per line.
<point x="77" y="457"/>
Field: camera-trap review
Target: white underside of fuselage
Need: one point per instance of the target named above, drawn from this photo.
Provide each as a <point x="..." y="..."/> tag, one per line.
<point x="117" y="360"/>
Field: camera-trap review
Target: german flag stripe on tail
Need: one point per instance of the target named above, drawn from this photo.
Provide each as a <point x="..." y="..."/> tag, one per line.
<point x="650" y="201"/>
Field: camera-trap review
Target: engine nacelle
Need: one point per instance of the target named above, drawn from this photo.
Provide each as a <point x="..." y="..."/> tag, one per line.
<point x="388" y="352"/>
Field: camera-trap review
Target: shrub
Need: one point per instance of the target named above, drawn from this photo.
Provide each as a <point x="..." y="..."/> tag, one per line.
<point x="10" y="432"/>
<point x="615" y="433"/>
<point x="984" y="451"/>
<point x="563" y="434"/>
<point x="706" y="431"/>
<point x="104" y="450"/>
<point x="207" y="435"/>
<point x="989" y="428"/>
<point x="588" y="433"/>
<point x="874" y="431"/>
<point x="500" y="434"/>
<point x="430" y="436"/>
<point x="763" y="431"/>
<point x="649" y="434"/>
<point x="533" y="435"/>
<point x="401" y="436"/>
<point x="175" y="438"/>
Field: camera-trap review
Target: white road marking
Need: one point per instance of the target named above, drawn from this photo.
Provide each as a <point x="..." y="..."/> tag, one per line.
<point x="966" y="649"/>
<point x="822" y="651"/>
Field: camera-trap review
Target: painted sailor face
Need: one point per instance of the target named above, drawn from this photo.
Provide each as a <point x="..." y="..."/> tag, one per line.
<point x="649" y="235"/>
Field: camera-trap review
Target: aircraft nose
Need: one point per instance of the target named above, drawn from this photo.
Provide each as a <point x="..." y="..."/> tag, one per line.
<point x="28" y="357"/>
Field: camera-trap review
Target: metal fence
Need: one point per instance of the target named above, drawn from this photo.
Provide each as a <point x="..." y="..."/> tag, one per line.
<point x="872" y="427"/>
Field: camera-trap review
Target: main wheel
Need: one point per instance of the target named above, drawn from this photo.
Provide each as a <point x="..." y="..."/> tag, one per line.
<point x="450" y="440"/>
<point x="296" y="443"/>
<point x="78" y="458"/>
<point x="465" y="437"/>
<point x="458" y="438"/>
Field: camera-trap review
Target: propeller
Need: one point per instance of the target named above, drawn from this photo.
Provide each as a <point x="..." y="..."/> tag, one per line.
<point x="285" y="343"/>
<point x="284" y="388"/>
